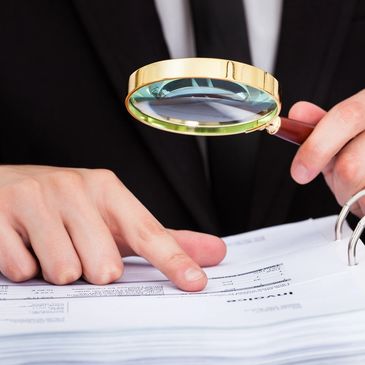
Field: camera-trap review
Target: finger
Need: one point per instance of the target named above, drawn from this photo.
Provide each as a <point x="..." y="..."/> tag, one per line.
<point x="204" y="249"/>
<point x="95" y="246"/>
<point x="52" y="245"/>
<point x="337" y="127"/>
<point x="149" y="239"/>
<point x="348" y="173"/>
<point x="306" y="112"/>
<point x="16" y="262"/>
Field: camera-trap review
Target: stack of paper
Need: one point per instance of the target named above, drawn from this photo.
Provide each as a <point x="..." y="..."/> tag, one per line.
<point x="283" y="295"/>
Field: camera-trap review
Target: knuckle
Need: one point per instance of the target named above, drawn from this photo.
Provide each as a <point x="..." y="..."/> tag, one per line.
<point x="346" y="170"/>
<point x="351" y="111"/>
<point x="105" y="274"/>
<point x="29" y="188"/>
<point x="313" y="154"/>
<point x="63" y="274"/>
<point x="150" y="229"/>
<point x="19" y="273"/>
<point x="104" y="176"/>
<point x="103" y="183"/>
<point x="66" y="179"/>
<point x="105" y="173"/>
<point x="26" y="200"/>
<point x="177" y="259"/>
<point x="25" y="194"/>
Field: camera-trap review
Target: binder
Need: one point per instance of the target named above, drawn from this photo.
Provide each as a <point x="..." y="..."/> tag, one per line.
<point x="284" y="295"/>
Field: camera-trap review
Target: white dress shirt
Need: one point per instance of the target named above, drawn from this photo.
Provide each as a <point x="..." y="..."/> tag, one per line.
<point x="263" y="19"/>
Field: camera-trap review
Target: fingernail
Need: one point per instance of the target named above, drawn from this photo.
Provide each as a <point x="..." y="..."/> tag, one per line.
<point x="301" y="174"/>
<point x="193" y="274"/>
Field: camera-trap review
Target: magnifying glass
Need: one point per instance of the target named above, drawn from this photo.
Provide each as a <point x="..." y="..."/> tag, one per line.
<point x="209" y="97"/>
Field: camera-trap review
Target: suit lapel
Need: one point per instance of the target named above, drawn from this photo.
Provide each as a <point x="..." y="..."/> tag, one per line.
<point x="127" y="35"/>
<point x="312" y="35"/>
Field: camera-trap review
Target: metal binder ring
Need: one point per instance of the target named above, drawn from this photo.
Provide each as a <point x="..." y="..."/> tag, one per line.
<point x="351" y="250"/>
<point x="344" y="213"/>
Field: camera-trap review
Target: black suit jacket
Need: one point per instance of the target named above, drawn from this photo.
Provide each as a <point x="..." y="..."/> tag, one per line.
<point x="64" y="67"/>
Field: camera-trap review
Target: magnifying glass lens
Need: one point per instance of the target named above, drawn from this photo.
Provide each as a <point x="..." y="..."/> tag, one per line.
<point x="203" y="104"/>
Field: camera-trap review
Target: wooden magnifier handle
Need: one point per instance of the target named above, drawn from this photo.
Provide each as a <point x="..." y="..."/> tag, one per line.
<point x="294" y="131"/>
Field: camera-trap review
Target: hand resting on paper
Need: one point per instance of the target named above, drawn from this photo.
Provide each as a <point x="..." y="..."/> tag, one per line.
<point x="69" y="223"/>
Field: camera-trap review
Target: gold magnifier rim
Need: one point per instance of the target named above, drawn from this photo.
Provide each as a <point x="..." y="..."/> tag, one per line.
<point x="212" y="68"/>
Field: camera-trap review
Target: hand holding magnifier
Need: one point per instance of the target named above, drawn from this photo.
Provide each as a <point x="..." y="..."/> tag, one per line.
<point x="210" y="97"/>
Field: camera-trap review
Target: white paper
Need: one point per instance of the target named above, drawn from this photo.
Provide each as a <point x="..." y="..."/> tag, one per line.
<point x="283" y="295"/>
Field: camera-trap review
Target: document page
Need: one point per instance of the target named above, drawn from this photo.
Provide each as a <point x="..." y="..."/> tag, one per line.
<point x="282" y="294"/>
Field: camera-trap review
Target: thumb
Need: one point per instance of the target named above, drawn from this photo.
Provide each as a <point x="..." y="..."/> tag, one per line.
<point x="204" y="249"/>
<point x="306" y="112"/>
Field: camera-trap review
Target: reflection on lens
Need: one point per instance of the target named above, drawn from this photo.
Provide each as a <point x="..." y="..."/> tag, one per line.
<point x="202" y="102"/>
